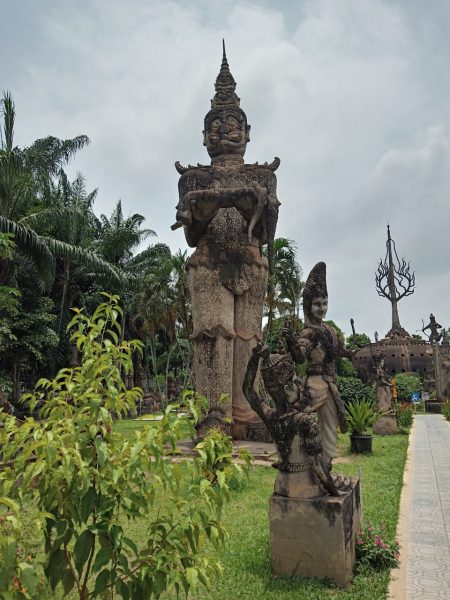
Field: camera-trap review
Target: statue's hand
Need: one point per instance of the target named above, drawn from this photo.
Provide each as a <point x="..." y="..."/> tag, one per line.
<point x="202" y="204"/>
<point x="288" y="335"/>
<point x="260" y="350"/>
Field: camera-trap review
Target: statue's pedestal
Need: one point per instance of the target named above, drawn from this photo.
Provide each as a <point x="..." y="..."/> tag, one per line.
<point x="385" y="425"/>
<point x="315" y="537"/>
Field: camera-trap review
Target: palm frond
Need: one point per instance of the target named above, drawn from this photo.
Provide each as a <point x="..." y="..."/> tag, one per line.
<point x="32" y="245"/>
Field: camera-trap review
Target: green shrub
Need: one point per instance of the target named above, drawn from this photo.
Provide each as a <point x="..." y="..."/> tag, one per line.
<point x="406" y="385"/>
<point x="352" y="389"/>
<point x="445" y="410"/>
<point x="404" y="417"/>
<point x="87" y="479"/>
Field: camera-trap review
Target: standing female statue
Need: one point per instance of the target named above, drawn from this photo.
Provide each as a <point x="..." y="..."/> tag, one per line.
<point x="318" y="345"/>
<point x="386" y="424"/>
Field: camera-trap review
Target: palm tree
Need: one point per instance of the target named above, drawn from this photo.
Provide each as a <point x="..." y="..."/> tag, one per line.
<point x="285" y="283"/>
<point x="164" y="313"/>
<point x="26" y="178"/>
<point x="118" y="237"/>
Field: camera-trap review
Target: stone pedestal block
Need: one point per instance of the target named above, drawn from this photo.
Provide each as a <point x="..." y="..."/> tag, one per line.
<point x="315" y="537"/>
<point x="386" y="425"/>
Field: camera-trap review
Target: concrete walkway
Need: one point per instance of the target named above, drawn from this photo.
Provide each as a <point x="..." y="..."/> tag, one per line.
<point x="424" y="526"/>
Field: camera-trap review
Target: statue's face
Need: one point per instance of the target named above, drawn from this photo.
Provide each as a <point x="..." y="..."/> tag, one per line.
<point x="319" y="308"/>
<point x="226" y="134"/>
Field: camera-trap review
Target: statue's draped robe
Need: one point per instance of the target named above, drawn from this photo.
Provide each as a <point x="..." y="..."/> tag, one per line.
<point x="321" y="385"/>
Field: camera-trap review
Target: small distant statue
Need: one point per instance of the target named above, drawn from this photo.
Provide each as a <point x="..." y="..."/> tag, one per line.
<point x="375" y="335"/>
<point x="433" y="326"/>
<point x="292" y="424"/>
<point x="386" y="424"/>
<point x="319" y="345"/>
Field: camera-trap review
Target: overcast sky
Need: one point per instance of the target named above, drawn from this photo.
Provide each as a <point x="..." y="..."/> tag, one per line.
<point x="352" y="95"/>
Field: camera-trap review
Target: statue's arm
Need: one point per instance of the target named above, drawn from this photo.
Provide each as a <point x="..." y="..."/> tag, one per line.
<point x="197" y="206"/>
<point x="260" y="406"/>
<point x="344" y="352"/>
<point x="299" y="347"/>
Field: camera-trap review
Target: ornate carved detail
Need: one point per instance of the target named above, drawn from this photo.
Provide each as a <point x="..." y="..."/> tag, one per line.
<point x="293" y="427"/>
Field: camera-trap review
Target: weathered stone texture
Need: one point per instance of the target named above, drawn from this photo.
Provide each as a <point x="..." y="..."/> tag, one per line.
<point x="315" y="537"/>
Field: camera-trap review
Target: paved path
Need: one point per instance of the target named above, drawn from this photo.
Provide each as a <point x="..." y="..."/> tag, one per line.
<point x="428" y="517"/>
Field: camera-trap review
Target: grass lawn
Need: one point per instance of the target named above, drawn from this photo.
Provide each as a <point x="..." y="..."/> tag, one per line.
<point x="246" y="556"/>
<point x="128" y="426"/>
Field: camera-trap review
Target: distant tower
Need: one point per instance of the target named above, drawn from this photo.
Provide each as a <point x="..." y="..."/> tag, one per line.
<point x="394" y="282"/>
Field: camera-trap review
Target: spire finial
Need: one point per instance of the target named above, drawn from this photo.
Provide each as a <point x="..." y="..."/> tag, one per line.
<point x="225" y="84"/>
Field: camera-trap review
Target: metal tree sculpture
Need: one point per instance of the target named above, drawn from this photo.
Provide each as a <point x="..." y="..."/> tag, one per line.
<point x="394" y="282"/>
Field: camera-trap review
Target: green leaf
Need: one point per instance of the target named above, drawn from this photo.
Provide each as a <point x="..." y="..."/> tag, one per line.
<point x="102" y="581"/>
<point x="102" y="451"/>
<point x="68" y="581"/>
<point x="123" y="589"/>
<point x="81" y="550"/>
<point x="102" y="558"/>
<point x="87" y="504"/>
<point x="55" y="567"/>
<point x="192" y="577"/>
<point x="129" y="542"/>
<point x="28" y="577"/>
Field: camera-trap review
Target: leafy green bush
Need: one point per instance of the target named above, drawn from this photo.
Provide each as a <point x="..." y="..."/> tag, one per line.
<point x="445" y="410"/>
<point x="373" y="549"/>
<point x="85" y="480"/>
<point x="352" y="389"/>
<point x="406" y="385"/>
<point x="404" y="416"/>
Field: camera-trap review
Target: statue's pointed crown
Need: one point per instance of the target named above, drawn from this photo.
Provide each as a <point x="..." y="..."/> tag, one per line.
<point x="225" y="85"/>
<point x="316" y="284"/>
<point x="277" y="370"/>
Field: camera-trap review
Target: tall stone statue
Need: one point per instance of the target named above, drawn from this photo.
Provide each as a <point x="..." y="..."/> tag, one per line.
<point x="229" y="210"/>
<point x="387" y="423"/>
<point x="433" y="326"/>
<point x="319" y="345"/>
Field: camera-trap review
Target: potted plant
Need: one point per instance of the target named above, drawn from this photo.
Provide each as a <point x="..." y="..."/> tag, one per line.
<point x="361" y="415"/>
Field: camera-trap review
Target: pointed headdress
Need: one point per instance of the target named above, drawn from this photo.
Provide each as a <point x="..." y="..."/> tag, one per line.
<point x="277" y="370"/>
<point x="315" y="286"/>
<point x="225" y="99"/>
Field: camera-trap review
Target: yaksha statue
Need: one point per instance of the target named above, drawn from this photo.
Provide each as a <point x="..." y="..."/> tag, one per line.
<point x="229" y="210"/>
<point x="292" y="425"/>
<point x="319" y="345"/>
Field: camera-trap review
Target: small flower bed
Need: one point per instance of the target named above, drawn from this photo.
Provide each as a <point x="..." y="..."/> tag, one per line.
<point x="373" y="549"/>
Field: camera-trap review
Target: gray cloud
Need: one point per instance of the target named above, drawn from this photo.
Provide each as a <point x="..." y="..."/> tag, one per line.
<point x="352" y="96"/>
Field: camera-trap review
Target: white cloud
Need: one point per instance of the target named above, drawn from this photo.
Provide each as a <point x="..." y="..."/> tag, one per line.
<point x="350" y="95"/>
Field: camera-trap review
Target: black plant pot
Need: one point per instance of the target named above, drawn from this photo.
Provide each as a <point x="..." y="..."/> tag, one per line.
<point x="361" y="443"/>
